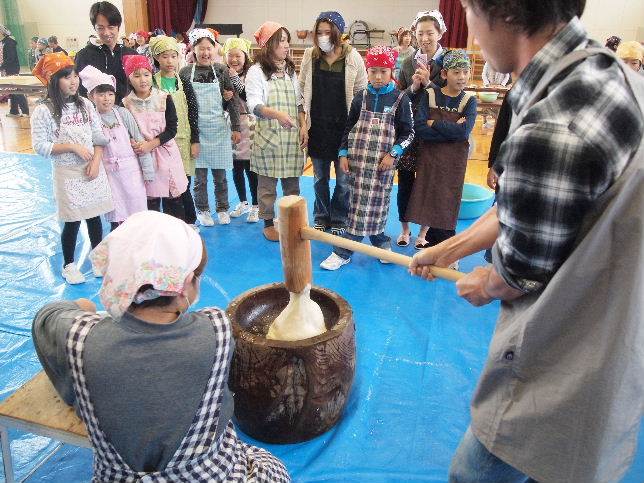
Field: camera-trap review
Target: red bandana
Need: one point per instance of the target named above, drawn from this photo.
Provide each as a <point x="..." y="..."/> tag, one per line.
<point x="381" y="56"/>
<point x="134" y="62"/>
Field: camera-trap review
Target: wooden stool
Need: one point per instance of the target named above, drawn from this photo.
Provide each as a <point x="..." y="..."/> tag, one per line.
<point x="36" y="408"/>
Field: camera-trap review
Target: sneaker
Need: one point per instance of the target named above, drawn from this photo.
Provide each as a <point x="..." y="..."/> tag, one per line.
<point x="10" y="114"/>
<point x="72" y="274"/>
<point x="385" y="262"/>
<point x="338" y="231"/>
<point x="194" y="227"/>
<point x="253" y="214"/>
<point x="224" y="218"/>
<point x="334" y="261"/>
<point x="319" y="227"/>
<point x="241" y="209"/>
<point x="205" y="218"/>
<point x="271" y="234"/>
<point x="453" y="266"/>
<point x="24" y="115"/>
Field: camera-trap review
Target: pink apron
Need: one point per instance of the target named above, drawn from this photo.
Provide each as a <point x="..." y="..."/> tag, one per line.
<point x="123" y="172"/>
<point x="170" y="179"/>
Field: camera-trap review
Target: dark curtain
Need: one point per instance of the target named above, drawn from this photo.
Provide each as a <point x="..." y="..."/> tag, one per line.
<point x="454" y="16"/>
<point x="175" y="15"/>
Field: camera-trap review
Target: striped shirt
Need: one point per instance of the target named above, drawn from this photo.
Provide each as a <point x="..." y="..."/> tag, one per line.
<point x="570" y="148"/>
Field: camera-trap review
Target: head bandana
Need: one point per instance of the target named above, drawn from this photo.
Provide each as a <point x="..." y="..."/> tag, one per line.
<point x="144" y="34"/>
<point x="91" y="77"/>
<point x="132" y="37"/>
<point x="456" y="59"/>
<point x="149" y="248"/>
<point x="381" y="56"/>
<point x="162" y="43"/>
<point x="630" y="50"/>
<point x="43" y="41"/>
<point x="435" y="14"/>
<point x="49" y="64"/>
<point x="197" y="34"/>
<point x="237" y="43"/>
<point x="134" y="62"/>
<point x="266" y="31"/>
<point x="5" y="31"/>
<point x="335" y="18"/>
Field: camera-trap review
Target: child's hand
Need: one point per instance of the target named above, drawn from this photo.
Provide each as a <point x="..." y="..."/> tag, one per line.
<point x="386" y="163"/>
<point x="83" y="152"/>
<point x="195" y="149"/>
<point x="423" y="73"/>
<point x="144" y="147"/>
<point x="236" y="137"/>
<point x="344" y="164"/>
<point x="228" y="95"/>
<point x="91" y="170"/>
<point x="304" y="137"/>
<point x="462" y="120"/>
<point x="417" y="80"/>
<point x="285" y="120"/>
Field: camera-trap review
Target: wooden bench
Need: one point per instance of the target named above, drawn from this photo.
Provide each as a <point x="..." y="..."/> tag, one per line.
<point x="36" y="408"/>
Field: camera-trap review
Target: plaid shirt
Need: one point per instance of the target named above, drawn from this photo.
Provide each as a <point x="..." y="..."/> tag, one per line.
<point x="569" y="149"/>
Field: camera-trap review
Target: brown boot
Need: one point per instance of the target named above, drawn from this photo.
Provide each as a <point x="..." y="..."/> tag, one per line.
<point x="271" y="234"/>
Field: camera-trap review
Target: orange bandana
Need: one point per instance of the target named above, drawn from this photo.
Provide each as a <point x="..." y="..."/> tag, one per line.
<point x="49" y="64"/>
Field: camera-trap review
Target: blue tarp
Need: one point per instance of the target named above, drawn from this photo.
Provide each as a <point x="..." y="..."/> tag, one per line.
<point x="420" y="348"/>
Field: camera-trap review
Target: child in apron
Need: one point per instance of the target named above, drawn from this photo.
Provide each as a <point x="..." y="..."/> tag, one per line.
<point x="213" y="91"/>
<point x="156" y="116"/>
<point x="126" y="171"/>
<point x="273" y="95"/>
<point x="237" y="55"/>
<point x="166" y="52"/>
<point x="67" y="129"/>
<point x="379" y="129"/>
<point x="444" y="121"/>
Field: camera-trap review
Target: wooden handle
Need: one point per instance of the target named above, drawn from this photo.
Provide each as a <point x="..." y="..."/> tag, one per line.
<point x="308" y="233"/>
<point x="296" y="252"/>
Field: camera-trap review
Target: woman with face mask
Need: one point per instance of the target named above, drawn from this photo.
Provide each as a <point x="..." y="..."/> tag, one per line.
<point x="155" y="372"/>
<point x="331" y="74"/>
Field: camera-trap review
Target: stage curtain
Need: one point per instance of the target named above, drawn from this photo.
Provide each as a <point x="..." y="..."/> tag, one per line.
<point x="454" y="16"/>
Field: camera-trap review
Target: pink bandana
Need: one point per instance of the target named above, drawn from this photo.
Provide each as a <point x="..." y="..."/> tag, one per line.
<point x="134" y="62"/>
<point x="266" y="31"/>
<point x="149" y="248"/>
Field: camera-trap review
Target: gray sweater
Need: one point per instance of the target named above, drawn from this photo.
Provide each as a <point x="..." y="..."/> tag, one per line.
<point x="145" y="380"/>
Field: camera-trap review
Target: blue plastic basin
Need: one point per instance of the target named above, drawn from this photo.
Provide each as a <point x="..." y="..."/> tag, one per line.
<point x="475" y="201"/>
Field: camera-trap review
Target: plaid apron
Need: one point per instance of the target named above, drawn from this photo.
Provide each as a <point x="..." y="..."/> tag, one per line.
<point x="371" y="138"/>
<point x="216" y="150"/>
<point x="276" y="150"/>
<point x="199" y="457"/>
<point x="183" y="126"/>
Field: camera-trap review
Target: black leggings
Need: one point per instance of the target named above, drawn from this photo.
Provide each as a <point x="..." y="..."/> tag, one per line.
<point x="405" y="184"/>
<point x="437" y="235"/>
<point x="70" y="234"/>
<point x="171" y="206"/>
<point x="189" y="205"/>
<point x="239" y="166"/>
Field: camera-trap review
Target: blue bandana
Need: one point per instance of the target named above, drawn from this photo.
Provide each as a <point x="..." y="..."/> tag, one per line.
<point x="335" y="18"/>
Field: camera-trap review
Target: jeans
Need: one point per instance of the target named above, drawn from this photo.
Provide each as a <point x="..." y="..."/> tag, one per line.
<point x="380" y="240"/>
<point x="18" y="104"/>
<point x="267" y="193"/>
<point x="473" y="463"/>
<point x="171" y="206"/>
<point x="327" y="210"/>
<point x="201" y="189"/>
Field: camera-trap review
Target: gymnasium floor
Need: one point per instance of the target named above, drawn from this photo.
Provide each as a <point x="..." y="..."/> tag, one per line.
<point x="420" y="348"/>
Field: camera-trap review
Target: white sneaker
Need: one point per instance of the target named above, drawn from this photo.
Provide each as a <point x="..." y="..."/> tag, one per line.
<point x="385" y="262"/>
<point x="224" y="218"/>
<point x="334" y="261"/>
<point x="10" y="114"/>
<point x="72" y="274"/>
<point x="253" y="214"/>
<point x="241" y="209"/>
<point x="205" y="218"/>
<point x="453" y="266"/>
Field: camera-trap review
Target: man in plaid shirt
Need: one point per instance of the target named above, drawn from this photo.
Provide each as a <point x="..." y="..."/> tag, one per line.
<point x="567" y="151"/>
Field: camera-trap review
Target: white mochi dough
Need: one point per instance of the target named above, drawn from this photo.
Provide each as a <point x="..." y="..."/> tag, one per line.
<point x="301" y="319"/>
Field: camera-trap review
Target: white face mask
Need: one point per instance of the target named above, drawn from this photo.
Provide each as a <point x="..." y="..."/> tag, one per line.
<point x="324" y="41"/>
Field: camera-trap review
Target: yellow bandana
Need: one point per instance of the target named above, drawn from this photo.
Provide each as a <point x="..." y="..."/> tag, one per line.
<point x="162" y="43"/>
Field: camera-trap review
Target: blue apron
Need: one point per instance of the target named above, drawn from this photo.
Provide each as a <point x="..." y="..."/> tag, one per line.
<point x="214" y="133"/>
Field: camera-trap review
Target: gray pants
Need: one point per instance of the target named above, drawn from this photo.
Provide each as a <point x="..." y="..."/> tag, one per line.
<point x="267" y="193"/>
<point x="201" y="189"/>
<point x="380" y="240"/>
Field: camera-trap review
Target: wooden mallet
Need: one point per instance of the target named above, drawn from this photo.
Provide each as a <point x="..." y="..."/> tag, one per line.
<point x="295" y="235"/>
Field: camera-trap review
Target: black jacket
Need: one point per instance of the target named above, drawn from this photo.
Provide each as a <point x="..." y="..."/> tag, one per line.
<point x="110" y="62"/>
<point x="10" y="63"/>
